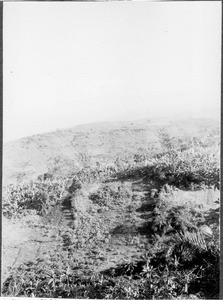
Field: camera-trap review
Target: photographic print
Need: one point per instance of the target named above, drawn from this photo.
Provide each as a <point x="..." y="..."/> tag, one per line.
<point x="111" y="149"/>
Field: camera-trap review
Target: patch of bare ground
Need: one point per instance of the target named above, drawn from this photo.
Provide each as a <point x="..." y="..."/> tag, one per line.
<point x="22" y="241"/>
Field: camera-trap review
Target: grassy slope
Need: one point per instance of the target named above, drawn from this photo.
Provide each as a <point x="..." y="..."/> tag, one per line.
<point x="113" y="220"/>
<point x="103" y="142"/>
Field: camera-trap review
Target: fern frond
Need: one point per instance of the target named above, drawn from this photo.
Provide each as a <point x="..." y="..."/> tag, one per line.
<point x="196" y="240"/>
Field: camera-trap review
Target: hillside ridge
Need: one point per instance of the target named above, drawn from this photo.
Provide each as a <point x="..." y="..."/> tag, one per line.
<point x="28" y="157"/>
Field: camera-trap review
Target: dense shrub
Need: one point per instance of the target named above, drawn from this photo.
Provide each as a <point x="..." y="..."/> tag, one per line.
<point x="189" y="169"/>
<point x="35" y="196"/>
<point x="110" y="194"/>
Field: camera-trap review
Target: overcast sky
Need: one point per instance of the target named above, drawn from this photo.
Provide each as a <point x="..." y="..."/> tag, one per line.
<point x="69" y="63"/>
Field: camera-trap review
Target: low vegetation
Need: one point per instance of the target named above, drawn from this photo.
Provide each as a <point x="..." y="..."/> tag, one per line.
<point x="154" y="204"/>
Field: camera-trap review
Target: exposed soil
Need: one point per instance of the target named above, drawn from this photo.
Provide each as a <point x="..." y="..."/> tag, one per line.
<point x="21" y="243"/>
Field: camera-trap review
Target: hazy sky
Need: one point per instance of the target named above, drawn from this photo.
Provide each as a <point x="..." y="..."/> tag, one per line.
<point x="69" y="63"/>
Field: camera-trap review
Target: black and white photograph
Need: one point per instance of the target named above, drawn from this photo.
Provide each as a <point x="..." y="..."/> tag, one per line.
<point x="111" y="149"/>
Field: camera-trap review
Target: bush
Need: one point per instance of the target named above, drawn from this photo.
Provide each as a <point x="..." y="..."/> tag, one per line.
<point x="32" y="196"/>
<point x="110" y="194"/>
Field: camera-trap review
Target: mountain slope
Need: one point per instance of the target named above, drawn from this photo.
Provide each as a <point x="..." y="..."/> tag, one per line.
<point x="98" y="142"/>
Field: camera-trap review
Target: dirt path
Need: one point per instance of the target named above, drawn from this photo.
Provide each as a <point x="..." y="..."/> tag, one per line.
<point x="127" y="243"/>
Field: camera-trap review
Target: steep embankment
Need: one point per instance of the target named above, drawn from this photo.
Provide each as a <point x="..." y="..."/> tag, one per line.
<point x="99" y="142"/>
